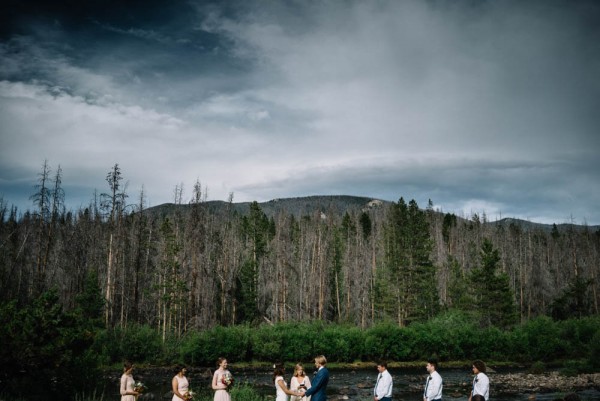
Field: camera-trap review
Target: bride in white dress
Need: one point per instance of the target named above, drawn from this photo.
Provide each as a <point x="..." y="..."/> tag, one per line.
<point x="281" y="389"/>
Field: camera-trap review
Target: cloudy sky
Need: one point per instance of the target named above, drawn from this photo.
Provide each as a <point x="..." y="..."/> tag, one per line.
<point x="481" y="106"/>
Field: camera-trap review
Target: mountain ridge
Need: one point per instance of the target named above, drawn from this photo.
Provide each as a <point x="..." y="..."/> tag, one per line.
<point x="339" y="204"/>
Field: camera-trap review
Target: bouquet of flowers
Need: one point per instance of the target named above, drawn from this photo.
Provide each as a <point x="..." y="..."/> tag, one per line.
<point x="189" y="395"/>
<point x="227" y="379"/>
<point x="139" y="387"/>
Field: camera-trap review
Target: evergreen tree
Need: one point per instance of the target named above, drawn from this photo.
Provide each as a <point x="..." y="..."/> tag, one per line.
<point x="459" y="293"/>
<point x="257" y="232"/>
<point x="493" y="297"/>
<point x="424" y="285"/>
<point x="409" y="273"/>
<point x="366" y="225"/>
<point x="573" y="302"/>
<point x="90" y="303"/>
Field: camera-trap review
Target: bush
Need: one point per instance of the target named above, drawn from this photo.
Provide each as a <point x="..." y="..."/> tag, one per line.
<point x="48" y="344"/>
<point x="388" y="341"/>
<point x="594" y="354"/>
<point x="576" y="336"/>
<point x="245" y="392"/>
<point x="537" y="368"/>
<point x="341" y="343"/>
<point x="541" y="340"/>
<point x="239" y="392"/>
<point x="205" y="347"/>
<point x="267" y="344"/>
<point x="297" y="340"/>
<point x="570" y="368"/>
<point x="443" y="336"/>
<point x="136" y="343"/>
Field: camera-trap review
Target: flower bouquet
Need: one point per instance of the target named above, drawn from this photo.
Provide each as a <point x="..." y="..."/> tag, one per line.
<point x="227" y="379"/>
<point x="139" y="387"/>
<point x="189" y="395"/>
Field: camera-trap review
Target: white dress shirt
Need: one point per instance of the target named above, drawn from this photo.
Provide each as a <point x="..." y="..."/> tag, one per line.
<point x="433" y="387"/>
<point x="383" y="388"/>
<point x="481" y="385"/>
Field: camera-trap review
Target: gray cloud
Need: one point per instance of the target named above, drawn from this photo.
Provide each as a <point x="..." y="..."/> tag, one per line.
<point x="480" y="106"/>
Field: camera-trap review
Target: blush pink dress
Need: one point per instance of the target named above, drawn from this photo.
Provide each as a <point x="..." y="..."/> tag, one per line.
<point x="221" y="394"/>
<point x="127" y="384"/>
<point x="182" y="386"/>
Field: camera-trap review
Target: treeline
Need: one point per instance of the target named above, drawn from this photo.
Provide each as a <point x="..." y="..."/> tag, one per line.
<point x="193" y="268"/>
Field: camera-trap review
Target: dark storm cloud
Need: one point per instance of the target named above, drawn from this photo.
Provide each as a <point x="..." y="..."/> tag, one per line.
<point x="480" y="106"/>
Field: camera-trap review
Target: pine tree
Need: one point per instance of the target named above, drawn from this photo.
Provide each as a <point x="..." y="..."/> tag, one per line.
<point x="257" y="231"/>
<point x="493" y="296"/>
<point x="407" y="286"/>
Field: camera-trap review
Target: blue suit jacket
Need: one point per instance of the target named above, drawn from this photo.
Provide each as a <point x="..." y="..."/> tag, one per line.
<point x="319" y="386"/>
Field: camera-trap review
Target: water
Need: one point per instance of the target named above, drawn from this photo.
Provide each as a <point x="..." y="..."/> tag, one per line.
<point x="352" y="385"/>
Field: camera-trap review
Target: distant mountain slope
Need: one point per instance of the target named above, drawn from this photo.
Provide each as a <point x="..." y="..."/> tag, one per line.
<point x="529" y="225"/>
<point x="336" y="204"/>
<point x="302" y="206"/>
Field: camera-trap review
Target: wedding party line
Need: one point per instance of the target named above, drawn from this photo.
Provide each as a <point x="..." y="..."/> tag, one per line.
<point x="301" y="387"/>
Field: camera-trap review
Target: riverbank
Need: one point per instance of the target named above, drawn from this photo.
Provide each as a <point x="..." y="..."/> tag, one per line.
<point x="513" y="383"/>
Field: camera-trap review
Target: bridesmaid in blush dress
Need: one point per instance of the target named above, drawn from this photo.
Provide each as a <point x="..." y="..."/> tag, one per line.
<point x="127" y="383"/>
<point x="221" y="389"/>
<point x="180" y="384"/>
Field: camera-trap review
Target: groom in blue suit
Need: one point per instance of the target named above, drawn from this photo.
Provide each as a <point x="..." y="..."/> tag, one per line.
<point x="318" y="386"/>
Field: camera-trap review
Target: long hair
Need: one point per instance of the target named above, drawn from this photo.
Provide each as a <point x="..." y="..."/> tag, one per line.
<point x="278" y="370"/>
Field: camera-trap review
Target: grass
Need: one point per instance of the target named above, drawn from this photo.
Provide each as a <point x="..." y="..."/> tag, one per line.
<point x="240" y="392"/>
<point x="91" y="397"/>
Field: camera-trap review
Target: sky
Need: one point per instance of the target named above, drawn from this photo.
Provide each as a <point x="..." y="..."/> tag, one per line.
<point x="481" y="106"/>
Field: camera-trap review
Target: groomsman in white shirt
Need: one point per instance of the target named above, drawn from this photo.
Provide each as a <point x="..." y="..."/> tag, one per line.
<point x="433" y="385"/>
<point x="383" y="386"/>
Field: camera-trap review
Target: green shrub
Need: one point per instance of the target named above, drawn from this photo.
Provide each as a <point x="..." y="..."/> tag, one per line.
<point x="266" y="344"/>
<point x="140" y="344"/>
<point x="89" y="397"/>
<point x="541" y="339"/>
<point x="137" y="343"/>
<point x="340" y="343"/>
<point x="205" y="347"/>
<point x="537" y="368"/>
<point x="575" y="336"/>
<point x="297" y="340"/>
<point x="245" y="392"/>
<point x="570" y="368"/>
<point x="388" y="341"/>
<point x="594" y="351"/>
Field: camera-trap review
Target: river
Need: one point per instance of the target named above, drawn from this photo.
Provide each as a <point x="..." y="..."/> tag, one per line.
<point x="351" y="385"/>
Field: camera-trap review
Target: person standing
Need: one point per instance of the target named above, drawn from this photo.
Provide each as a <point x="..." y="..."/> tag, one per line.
<point x="299" y="381"/>
<point x="281" y="389"/>
<point x="180" y="384"/>
<point x="433" y="385"/>
<point x="219" y="381"/>
<point x="127" y="389"/>
<point x="481" y="383"/>
<point x="318" y="391"/>
<point x="384" y="384"/>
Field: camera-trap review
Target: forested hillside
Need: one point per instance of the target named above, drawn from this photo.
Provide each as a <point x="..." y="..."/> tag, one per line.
<point x="339" y="259"/>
